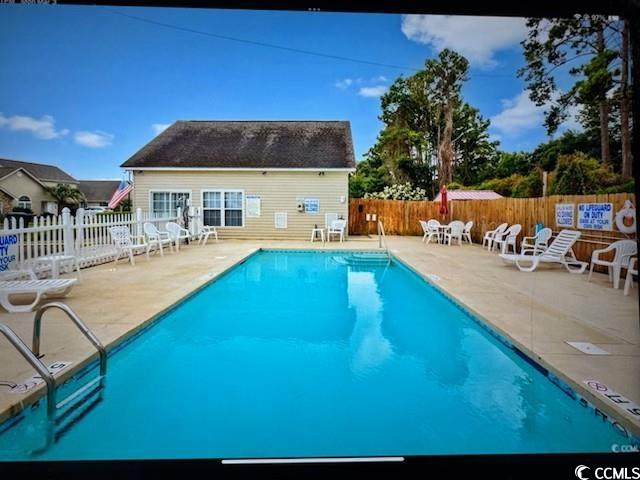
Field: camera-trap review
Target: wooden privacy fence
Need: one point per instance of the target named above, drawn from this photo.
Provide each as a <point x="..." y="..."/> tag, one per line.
<point x="402" y="217"/>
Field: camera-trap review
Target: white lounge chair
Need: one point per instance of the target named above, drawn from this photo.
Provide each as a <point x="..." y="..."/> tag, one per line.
<point x="121" y="237"/>
<point x="156" y="238"/>
<point x="624" y="250"/>
<point x="491" y="234"/>
<point x="507" y="239"/>
<point x="455" y="231"/>
<point x="14" y="283"/>
<point x="538" y="243"/>
<point x="178" y="233"/>
<point x="559" y="252"/>
<point x="433" y="229"/>
<point x="632" y="270"/>
<point x="337" y="227"/>
<point x="466" y="234"/>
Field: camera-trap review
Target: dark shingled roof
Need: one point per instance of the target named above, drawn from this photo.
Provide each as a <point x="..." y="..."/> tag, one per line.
<point x="249" y="144"/>
<point x="98" y="190"/>
<point x="45" y="173"/>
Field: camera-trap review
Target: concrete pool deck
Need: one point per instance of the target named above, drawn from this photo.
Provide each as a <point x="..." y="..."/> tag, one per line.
<point x="539" y="312"/>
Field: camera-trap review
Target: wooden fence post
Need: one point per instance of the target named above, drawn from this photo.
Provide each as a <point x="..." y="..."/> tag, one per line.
<point x="67" y="231"/>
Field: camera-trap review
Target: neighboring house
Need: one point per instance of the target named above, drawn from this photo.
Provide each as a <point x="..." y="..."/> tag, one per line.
<point x="252" y="179"/>
<point x="23" y="184"/>
<point x="97" y="193"/>
<point x="470" y="195"/>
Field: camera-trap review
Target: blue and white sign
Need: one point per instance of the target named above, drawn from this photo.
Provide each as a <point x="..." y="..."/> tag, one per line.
<point x="311" y="205"/>
<point x="564" y="214"/>
<point x="595" y="216"/>
<point x="8" y="251"/>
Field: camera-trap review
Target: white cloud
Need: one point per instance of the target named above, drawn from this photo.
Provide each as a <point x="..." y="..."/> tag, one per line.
<point x="477" y="38"/>
<point x="518" y="115"/>
<point x="158" y="128"/>
<point x="43" y="128"/>
<point x="375" y="91"/>
<point x="344" y="83"/>
<point x="95" y="139"/>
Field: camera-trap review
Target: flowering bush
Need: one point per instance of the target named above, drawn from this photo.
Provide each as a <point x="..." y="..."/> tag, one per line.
<point x="399" y="191"/>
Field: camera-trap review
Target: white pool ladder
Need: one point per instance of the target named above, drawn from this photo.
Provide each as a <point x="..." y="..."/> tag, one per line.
<point x="382" y="239"/>
<point x="33" y="356"/>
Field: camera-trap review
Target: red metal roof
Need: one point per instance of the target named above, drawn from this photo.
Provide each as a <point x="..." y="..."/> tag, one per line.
<point x="470" y="195"/>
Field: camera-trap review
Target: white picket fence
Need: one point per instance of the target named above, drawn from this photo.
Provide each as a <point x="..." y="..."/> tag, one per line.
<point x="84" y="236"/>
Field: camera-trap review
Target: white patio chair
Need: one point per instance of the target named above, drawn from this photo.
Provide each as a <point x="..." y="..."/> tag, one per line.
<point x="177" y="233"/>
<point x="25" y="282"/>
<point x="559" y="252"/>
<point x="425" y="229"/>
<point x="456" y="229"/>
<point x="624" y="250"/>
<point x="124" y="242"/>
<point x="507" y="239"/>
<point x="632" y="270"/>
<point x="337" y="227"/>
<point x="205" y="232"/>
<point x="491" y="234"/>
<point x="156" y="238"/>
<point x="433" y="229"/>
<point x="537" y="243"/>
<point x="466" y="234"/>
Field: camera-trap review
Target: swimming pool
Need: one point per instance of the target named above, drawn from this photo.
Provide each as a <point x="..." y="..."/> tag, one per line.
<point x="298" y="354"/>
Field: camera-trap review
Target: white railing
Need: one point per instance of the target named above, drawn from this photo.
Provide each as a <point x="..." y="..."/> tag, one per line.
<point x="85" y="236"/>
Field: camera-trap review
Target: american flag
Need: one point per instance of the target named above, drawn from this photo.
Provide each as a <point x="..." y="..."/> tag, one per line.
<point x="123" y="190"/>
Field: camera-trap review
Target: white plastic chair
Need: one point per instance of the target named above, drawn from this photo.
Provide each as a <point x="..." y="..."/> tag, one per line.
<point x="624" y="250"/>
<point x="25" y="282"/>
<point x="537" y="243"/>
<point x="456" y="229"/>
<point x="204" y="231"/>
<point x="337" y="227"/>
<point x="177" y="233"/>
<point x="156" y="238"/>
<point x="121" y="237"/>
<point x="491" y="234"/>
<point x="433" y="230"/>
<point x="560" y="251"/>
<point x="632" y="270"/>
<point x="466" y="234"/>
<point x="507" y="239"/>
<point x="425" y="229"/>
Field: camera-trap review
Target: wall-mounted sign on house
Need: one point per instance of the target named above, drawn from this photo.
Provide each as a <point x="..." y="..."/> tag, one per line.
<point x="564" y="214"/>
<point x="595" y="216"/>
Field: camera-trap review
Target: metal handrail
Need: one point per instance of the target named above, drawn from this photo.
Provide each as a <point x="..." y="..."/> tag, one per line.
<point x="382" y="237"/>
<point x="37" y="322"/>
<point x="38" y="366"/>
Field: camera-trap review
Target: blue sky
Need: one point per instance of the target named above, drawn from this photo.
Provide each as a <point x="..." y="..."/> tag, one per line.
<point x="84" y="88"/>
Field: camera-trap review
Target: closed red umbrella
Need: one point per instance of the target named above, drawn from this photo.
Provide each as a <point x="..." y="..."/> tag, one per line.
<point x="443" y="201"/>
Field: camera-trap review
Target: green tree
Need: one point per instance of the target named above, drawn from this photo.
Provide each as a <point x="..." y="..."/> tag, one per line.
<point x="575" y="175"/>
<point x="65" y="194"/>
<point x="596" y="48"/>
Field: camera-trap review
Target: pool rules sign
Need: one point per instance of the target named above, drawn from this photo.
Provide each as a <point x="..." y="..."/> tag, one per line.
<point x="595" y="216"/>
<point x="8" y="251"/>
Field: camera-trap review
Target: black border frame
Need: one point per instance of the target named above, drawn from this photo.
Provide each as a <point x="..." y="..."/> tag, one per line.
<point x="512" y="466"/>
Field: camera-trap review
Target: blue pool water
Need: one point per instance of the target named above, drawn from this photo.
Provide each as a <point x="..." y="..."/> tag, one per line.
<point x="301" y="354"/>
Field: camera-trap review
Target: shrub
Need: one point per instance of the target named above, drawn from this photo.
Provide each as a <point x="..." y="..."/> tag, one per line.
<point x="455" y="186"/>
<point x="575" y="174"/>
<point x="503" y="186"/>
<point x="529" y="186"/>
<point x="399" y="191"/>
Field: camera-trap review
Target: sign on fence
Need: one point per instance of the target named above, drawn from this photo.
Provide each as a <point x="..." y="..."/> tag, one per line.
<point x="564" y="214"/>
<point x="595" y="216"/>
<point x="8" y="251"/>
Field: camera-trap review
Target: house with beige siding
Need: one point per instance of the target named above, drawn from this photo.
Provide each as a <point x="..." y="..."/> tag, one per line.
<point x="250" y="179"/>
<point x="24" y="184"/>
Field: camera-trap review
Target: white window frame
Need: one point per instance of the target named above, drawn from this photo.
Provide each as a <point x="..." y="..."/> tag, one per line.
<point x="24" y="203"/>
<point x="222" y="191"/>
<point x="167" y="190"/>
